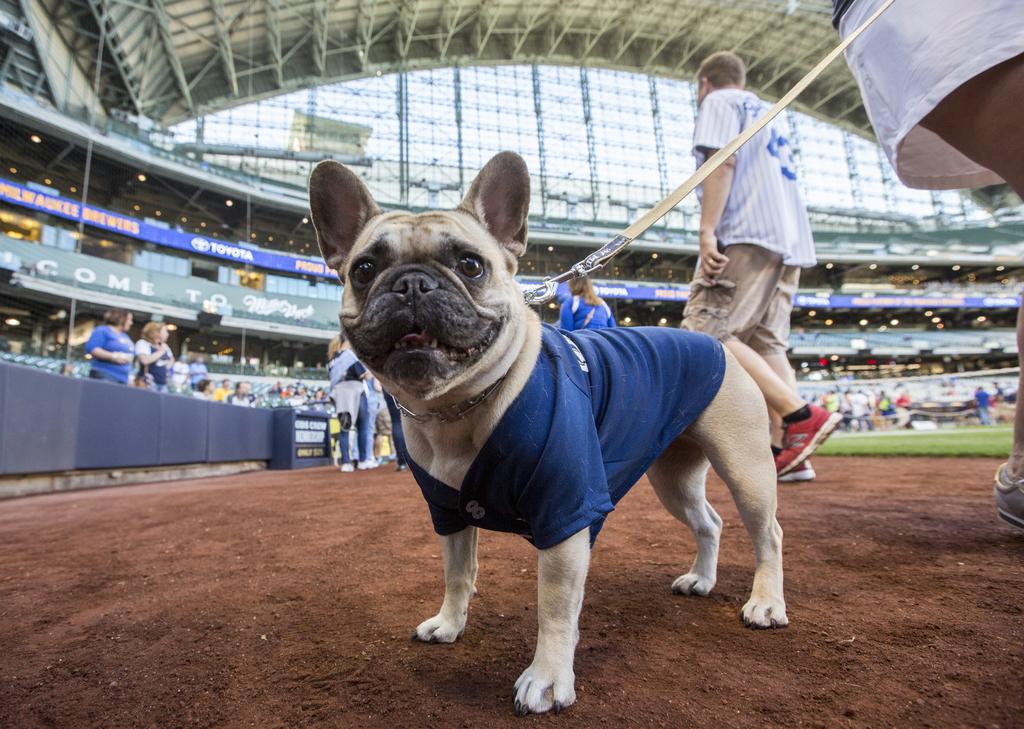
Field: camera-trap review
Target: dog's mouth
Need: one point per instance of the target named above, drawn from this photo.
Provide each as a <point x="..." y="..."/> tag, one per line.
<point x="420" y="341"/>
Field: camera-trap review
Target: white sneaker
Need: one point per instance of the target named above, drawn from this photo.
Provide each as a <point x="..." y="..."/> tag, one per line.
<point x="367" y="465"/>
<point x="803" y="472"/>
<point x="347" y="468"/>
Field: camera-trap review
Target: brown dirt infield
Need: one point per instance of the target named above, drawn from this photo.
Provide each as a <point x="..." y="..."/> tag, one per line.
<point x="287" y="599"/>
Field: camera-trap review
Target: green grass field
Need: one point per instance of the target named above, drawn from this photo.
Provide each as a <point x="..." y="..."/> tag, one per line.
<point x="993" y="441"/>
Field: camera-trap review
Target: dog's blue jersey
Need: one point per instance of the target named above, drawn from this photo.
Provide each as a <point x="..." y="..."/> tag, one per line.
<point x="599" y="408"/>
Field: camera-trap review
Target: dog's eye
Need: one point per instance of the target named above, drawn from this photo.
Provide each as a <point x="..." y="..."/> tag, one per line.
<point x="471" y="266"/>
<point x="363" y="272"/>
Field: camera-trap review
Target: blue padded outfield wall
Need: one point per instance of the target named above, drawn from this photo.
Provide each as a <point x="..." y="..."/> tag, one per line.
<point x="50" y="423"/>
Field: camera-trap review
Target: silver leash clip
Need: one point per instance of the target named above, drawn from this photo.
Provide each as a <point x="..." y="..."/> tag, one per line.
<point x="541" y="294"/>
<point x="546" y="291"/>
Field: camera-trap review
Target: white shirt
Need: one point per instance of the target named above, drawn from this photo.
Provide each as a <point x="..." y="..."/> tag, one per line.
<point x="179" y="374"/>
<point x="764" y="206"/>
<point x="143" y="347"/>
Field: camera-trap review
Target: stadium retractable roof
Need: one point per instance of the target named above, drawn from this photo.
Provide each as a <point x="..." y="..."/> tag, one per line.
<point x="175" y="59"/>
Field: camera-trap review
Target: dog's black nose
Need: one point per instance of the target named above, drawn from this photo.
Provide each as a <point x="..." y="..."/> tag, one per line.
<point x="414" y="283"/>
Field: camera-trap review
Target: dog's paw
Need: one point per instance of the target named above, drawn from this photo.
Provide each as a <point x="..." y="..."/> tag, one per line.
<point x="439" y="629"/>
<point x="542" y="688"/>
<point x="693" y="584"/>
<point x="761" y="613"/>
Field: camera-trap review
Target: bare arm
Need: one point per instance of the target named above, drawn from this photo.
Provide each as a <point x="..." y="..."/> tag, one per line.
<point x="153" y="356"/>
<point x="108" y="356"/>
<point x="713" y="201"/>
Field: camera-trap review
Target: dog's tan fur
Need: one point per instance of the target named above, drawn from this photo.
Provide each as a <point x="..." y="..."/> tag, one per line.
<point x="732" y="434"/>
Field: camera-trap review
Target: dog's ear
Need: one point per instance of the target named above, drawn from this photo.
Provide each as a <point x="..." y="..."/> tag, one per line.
<point x="500" y="199"/>
<point x="341" y="206"/>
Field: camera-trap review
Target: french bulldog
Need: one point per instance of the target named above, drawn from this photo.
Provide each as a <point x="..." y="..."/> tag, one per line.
<point x="513" y="425"/>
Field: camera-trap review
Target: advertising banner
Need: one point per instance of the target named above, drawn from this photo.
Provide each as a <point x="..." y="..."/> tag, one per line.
<point x="134" y="228"/>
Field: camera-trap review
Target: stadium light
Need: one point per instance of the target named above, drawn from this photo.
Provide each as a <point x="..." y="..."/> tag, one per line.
<point x="72" y="189"/>
<point x="12" y="322"/>
<point x="873" y="266"/>
<point x="47" y="181"/>
<point x="662" y="321"/>
<point x="1000" y="268"/>
<point x="229" y="202"/>
<point x="305" y="221"/>
<point x="894" y="322"/>
<point x="140" y="177"/>
<point x="158" y="213"/>
<point x="36" y="139"/>
<point x="863" y="322"/>
<point x="929" y="313"/>
<point x="654" y="256"/>
<point x="812" y="312"/>
<point x="172" y="327"/>
<point x="956" y="267"/>
<point x="627" y="320"/>
<point x="982" y="318"/>
<point x="915" y="267"/>
<point x="829" y="266"/>
<point x="13" y="170"/>
<point x="936" y="320"/>
<point x="551" y="249"/>
<point x="828" y="322"/>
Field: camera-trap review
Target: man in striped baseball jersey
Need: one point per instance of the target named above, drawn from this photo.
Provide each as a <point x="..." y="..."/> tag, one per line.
<point x="754" y="238"/>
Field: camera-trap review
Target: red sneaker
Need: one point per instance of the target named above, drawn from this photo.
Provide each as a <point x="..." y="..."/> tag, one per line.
<point x="803" y="472"/>
<point x="804" y="437"/>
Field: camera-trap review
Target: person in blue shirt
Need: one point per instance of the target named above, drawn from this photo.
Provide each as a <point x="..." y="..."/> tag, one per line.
<point x="111" y="349"/>
<point x="583" y="308"/>
<point x="197" y="371"/>
<point x="983" y="401"/>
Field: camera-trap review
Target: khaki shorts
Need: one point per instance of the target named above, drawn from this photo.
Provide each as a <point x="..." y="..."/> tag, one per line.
<point x="383" y="421"/>
<point x="752" y="300"/>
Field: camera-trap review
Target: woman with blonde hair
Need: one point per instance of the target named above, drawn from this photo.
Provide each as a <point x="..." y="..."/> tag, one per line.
<point x="585" y="309"/>
<point x="154" y="356"/>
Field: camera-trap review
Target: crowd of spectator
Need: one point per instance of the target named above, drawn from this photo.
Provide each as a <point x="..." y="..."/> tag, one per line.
<point x="150" y="364"/>
<point x="353" y="395"/>
<point x="878" y="409"/>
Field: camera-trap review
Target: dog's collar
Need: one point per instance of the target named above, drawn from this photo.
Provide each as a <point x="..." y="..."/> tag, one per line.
<point x="450" y="413"/>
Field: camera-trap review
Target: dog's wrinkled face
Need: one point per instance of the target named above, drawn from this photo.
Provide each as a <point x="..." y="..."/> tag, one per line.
<point x="430" y="299"/>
